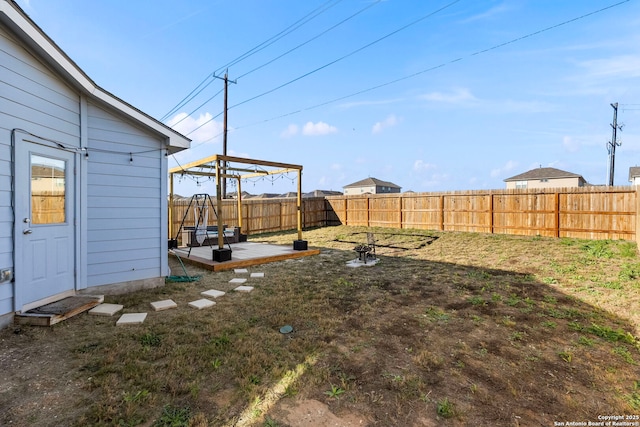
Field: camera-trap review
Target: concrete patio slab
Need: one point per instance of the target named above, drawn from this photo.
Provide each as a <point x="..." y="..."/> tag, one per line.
<point x="131" y="319"/>
<point x="257" y="275"/>
<point x="201" y="303"/>
<point x="212" y="293"/>
<point x="237" y="280"/>
<point x="106" y="309"/>
<point x="357" y="263"/>
<point x="163" y="305"/>
<point x="244" y="288"/>
<point x="240" y="271"/>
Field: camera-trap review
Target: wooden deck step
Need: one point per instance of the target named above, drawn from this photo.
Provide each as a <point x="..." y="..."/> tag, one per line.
<point x="57" y="311"/>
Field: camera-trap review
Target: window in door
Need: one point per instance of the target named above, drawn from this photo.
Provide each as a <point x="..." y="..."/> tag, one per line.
<point x="48" y="190"/>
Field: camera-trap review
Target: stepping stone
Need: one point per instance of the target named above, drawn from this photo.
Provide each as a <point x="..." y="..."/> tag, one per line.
<point x="240" y="271"/>
<point x="163" y="305"/>
<point x="257" y="274"/>
<point x="131" y="319"/>
<point x="201" y="303"/>
<point x="212" y="293"/>
<point x="237" y="280"/>
<point x="244" y="288"/>
<point x="106" y="309"/>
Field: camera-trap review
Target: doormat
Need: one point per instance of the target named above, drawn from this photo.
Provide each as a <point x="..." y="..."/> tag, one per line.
<point x="65" y="305"/>
<point x="52" y="313"/>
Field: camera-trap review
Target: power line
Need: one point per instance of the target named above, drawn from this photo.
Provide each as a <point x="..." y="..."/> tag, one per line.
<point x="195" y="92"/>
<point x="189" y="97"/>
<point x="410" y="76"/>
<point x="291" y="28"/>
<point x="312" y="39"/>
<point x="199" y="106"/>
<point x="342" y="57"/>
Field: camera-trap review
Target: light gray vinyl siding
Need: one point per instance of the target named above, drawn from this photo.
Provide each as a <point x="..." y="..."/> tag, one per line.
<point x="124" y="201"/>
<point x="34" y="99"/>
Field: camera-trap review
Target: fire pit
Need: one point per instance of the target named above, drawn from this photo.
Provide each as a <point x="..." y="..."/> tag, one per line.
<point x="363" y="252"/>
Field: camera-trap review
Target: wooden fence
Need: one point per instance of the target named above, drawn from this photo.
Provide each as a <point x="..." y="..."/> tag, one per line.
<point x="258" y="215"/>
<point x="48" y="207"/>
<point x="587" y="212"/>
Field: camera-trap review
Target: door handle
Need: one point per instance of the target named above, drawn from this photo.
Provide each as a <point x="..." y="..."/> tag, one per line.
<point x="27" y="231"/>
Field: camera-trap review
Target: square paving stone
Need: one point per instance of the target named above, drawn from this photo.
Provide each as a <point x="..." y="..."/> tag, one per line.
<point x="257" y="274"/>
<point x="237" y="280"/>
<point x="240" y="271"/>
<point x="163" y="305"/>
<point x="131" y="319"/>
<point x="244" y="288"/>
<point x="212" y="293"/>
<point x="106" y="309"/>
<point x="201" y="303"/>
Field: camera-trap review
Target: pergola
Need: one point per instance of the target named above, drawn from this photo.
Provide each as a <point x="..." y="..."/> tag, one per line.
<point x="237" y="168"/>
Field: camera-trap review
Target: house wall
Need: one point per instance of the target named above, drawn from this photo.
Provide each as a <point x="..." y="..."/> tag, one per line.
<point x="551" y="183"/>
<point x="126" y="201"/>
<point x="34" y="99"/>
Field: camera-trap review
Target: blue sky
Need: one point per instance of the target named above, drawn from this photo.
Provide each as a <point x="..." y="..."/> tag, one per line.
<point x="430" y="95"/>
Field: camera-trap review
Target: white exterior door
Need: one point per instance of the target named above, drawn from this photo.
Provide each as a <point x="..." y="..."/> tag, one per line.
<point x="44" y="222"/>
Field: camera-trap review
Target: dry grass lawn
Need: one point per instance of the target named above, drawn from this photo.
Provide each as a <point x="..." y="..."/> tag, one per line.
<point x="450" y="329"/>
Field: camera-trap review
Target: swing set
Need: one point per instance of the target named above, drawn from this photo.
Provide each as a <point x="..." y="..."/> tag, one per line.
<point x="228" y="167"/>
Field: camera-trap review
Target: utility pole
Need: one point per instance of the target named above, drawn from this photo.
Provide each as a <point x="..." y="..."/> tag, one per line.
<point x="611" y="145"/>
<point x="224" y="130"/>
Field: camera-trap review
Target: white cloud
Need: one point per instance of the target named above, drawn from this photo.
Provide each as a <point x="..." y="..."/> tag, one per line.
<point x="421" y="166"/>
<point x="496" y="10"/>
<point x="622" y="66"/>
<point x="290" y="131"/>
<point x="457" y="96"/>
<point x="316" y="129"/>
<point x="390" y="121"/>
<point x="508" y="167"/>
<point x="201" y="129"/>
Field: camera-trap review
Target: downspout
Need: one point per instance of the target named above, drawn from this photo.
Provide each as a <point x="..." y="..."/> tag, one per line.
<point x="12" y="156"/>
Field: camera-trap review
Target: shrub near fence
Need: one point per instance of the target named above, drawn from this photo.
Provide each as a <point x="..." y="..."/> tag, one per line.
<point x="585" y="212"/>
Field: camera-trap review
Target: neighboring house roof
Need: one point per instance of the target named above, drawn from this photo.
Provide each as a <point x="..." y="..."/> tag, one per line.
<point x="19" y="22"/>
<point x="367" y="182"/>
<point x="544" y="173"/>
<point x="39" y="171"/>
<point x="322" y="193"/>
<point x="634" y="171"/>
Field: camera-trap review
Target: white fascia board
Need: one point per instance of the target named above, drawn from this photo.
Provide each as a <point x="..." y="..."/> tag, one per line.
<point x="36" y="38"/>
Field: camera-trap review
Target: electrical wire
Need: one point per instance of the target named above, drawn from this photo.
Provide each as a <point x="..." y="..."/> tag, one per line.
<point x="189" y="97"/>
<point x="291" y="28"/>
<point x="211" y="77"/>
<point x="312" y="39"/>
<point x="410" y="76"/>
<point x="337" y="60"/>
<point x="198" y="107"/>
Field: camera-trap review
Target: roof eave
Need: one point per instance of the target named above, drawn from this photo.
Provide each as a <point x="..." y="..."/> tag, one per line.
<point x="28" y="31"/>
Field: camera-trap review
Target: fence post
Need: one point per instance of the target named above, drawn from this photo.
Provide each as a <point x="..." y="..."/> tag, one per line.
<point x="400" y="212"/>
<point x="556" y="196"/>
<point x="638" y="216"/>
<point x="442" y="212"/>
<point x="491" y="213"/>
<point x="368" y="213"/>
<point x="346" y="210"/>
